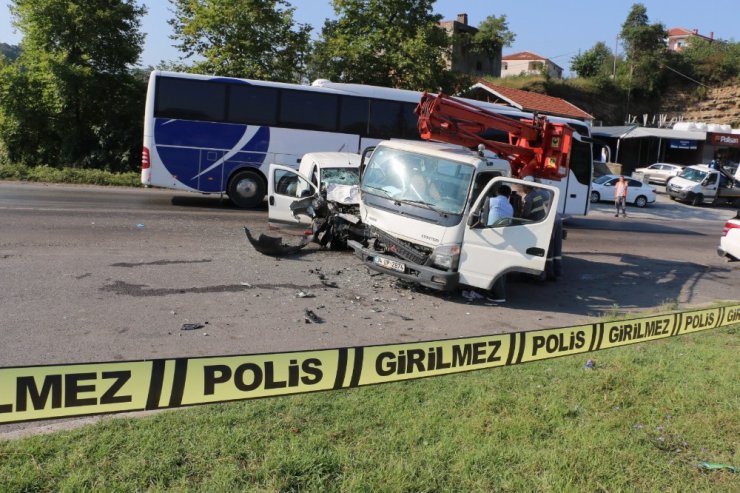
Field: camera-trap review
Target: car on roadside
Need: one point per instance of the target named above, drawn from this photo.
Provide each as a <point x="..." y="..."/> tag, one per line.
<point x="638" y="193"/>
<point x="660" y="172"/>
<point x="729" y="242"/>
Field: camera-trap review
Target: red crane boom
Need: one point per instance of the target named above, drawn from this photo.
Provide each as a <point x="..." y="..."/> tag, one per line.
<point x="536" y="147"/>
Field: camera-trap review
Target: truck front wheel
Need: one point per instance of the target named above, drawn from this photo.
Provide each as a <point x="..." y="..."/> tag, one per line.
<point x="697" y="200"/>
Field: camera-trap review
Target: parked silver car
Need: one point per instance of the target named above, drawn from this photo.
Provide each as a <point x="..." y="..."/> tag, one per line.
<point x="660" y="172"/>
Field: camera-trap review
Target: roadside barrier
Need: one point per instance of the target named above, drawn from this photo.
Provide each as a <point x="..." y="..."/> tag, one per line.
<point x="61" y="391"/>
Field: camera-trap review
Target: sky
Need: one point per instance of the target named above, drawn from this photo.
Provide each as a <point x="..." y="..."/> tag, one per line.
<point x="555" y="30"/>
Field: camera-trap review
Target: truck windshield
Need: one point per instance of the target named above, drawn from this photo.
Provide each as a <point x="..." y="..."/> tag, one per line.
<point x="693" y="174"/>
<point x="418" y="179"/>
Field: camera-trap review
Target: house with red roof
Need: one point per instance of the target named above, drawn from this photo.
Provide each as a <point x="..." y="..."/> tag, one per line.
<point x="526" y="101"/>
<point x="679" y="38"/>
<point x="528" y="63"/>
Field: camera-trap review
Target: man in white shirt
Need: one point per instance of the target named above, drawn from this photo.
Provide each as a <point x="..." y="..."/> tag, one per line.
<point x="499" y="206"/>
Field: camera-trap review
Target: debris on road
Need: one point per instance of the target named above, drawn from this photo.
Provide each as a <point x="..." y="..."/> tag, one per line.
<point x="273" y="246"/>
<point x="472" y="295"/>
<point x="311" y="317"/>
<point x="194" y="326"/>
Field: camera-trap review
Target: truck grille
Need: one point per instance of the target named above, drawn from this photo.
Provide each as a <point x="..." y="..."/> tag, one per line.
<point x="400" y="248"/>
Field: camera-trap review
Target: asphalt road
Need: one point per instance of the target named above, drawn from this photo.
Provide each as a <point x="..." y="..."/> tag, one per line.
<point x="100" y="274"/>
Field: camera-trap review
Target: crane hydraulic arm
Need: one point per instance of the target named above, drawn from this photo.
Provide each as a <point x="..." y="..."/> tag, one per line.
<point x="536" y="147"/>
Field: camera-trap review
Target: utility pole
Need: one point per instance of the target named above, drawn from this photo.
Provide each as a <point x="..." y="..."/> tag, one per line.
<point x="614" y="68"/>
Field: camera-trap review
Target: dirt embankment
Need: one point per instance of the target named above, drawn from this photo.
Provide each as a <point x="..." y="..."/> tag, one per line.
<point x="718" y="105"/>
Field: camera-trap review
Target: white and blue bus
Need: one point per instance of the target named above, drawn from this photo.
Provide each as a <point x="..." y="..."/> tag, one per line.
<point x="214" y="134"/>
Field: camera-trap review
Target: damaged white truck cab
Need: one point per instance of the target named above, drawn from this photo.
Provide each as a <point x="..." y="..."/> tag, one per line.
<point x="425" y="208"/>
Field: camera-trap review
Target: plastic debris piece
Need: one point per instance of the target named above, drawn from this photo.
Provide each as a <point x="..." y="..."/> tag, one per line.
<point x="311" y="317"/>
<point x="246" y="284"/>
<point x="472" y="295"/>
<point x="140" y="225"/>
<point x="713" y="466"/>
<point x="589" y="364"/>
<point x="195" y="326"/>
<point x="274" y="246"/>
<point x="303" y="294"/>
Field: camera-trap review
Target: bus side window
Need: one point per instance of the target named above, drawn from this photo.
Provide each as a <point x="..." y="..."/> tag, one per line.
<point x="252" y="105"/>
<point x="353" y="115"/>
<point x="190" y="99"/>
<point x="308" y="110"/>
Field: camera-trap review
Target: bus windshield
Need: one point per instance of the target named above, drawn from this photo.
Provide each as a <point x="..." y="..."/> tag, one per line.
<point x="418" y="179"/>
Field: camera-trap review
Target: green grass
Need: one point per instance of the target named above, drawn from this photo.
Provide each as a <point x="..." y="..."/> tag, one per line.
<point x="47" y="174"/>
<point x="642" y="420"/>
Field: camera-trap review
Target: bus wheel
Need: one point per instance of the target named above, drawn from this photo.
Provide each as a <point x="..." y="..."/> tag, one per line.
<point x="246" y="189"/>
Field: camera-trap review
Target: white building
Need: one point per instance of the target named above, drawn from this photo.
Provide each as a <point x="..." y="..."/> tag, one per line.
<point x="528" y="63"/>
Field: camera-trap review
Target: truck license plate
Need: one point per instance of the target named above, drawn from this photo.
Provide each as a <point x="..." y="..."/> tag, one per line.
<point x="390" y="264"/>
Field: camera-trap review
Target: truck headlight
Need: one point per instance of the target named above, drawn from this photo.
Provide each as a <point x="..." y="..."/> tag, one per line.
<point x="446" y="256"/>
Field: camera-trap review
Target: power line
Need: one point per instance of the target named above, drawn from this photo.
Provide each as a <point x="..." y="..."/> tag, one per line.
<point x="684" y="75"/>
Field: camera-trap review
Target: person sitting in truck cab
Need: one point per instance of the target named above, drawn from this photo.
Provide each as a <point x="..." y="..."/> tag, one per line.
<point x="500" y="210"/>
<point x="421" y="187"/>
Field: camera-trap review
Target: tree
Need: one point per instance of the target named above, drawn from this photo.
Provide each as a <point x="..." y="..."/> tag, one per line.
<point x="69" y="98"/>
<point x="255" y="39"/>
<point x="493" y="34"/>
<point x="11" y="52"/>
<point x="714" y="62"/>
<point x="393" y="43"/>
<point x="593" y="62"/>
<point x="645" y="48"/>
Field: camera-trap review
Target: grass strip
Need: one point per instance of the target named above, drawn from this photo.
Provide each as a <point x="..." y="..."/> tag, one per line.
<point x="641" y="420"/>
<point x="82" y="176"/>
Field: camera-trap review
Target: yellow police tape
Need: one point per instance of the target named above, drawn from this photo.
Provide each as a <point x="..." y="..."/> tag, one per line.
<point x="58" y="391"/>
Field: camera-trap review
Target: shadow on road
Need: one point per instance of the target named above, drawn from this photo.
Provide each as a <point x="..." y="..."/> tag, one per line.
<point x="629" y="225"/>
<point x="591" y="286"/>
<point x="210" y="202"/>
<point x="603" y="283"/>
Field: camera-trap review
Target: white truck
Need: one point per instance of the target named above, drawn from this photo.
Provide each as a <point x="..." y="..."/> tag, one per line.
<point x="700" y="184"/>
<point x="423" y="204"/>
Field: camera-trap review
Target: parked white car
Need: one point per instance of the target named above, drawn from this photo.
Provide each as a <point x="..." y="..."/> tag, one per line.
<point x="638" y="193"/>
<point x="660" y="172"/>
<point x="729" y="243"/>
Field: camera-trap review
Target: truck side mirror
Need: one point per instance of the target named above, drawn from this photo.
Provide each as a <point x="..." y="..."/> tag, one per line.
<point x="366" y="153"/>
<point x="474" y="219"/>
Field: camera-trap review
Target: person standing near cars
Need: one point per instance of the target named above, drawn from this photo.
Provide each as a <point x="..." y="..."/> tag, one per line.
<point x="620" y="196"/>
